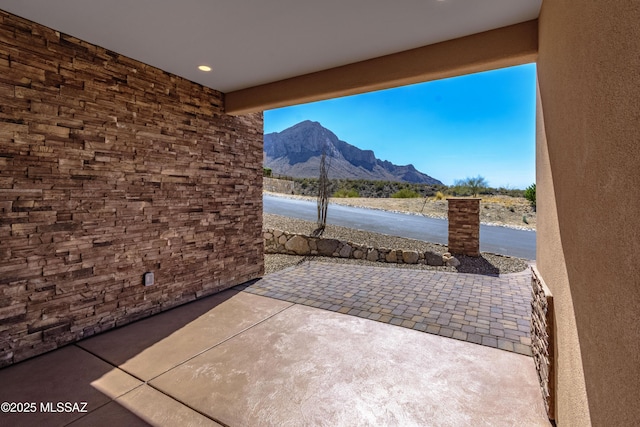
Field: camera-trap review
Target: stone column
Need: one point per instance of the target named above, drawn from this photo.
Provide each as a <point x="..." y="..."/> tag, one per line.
<point x="464" y="226"/>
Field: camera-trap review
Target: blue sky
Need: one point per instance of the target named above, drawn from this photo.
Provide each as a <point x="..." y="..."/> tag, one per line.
<point x="478" y="124"/>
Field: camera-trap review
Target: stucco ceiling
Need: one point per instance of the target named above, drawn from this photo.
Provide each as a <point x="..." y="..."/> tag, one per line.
<point x="251" y="42"/>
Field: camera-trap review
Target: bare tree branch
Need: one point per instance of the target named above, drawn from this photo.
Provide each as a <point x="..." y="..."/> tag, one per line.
<point x="323" y="190"/>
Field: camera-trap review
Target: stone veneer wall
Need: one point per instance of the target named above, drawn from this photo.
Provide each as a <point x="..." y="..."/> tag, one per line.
<point x="277" y="185"/>
<point x="110" y="168"/>
<point x="464" y="226"/>
<point x="282" y="242"/>
<point x="542" y="338"/>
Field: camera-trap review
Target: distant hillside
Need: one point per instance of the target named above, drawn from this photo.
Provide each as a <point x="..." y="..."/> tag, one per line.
<point x="296" y="152"/>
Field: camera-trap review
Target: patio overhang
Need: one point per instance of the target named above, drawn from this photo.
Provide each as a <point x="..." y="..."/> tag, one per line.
<point x="503" y="47"/>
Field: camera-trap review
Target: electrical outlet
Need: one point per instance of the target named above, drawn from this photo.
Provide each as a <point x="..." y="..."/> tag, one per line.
<point x="148" y="279"/>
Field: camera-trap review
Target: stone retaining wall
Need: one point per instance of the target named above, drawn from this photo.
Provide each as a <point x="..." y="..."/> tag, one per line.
<point x="282" y="242"/>
<point x="277" y="185"/>
<point x="542" y="339"/>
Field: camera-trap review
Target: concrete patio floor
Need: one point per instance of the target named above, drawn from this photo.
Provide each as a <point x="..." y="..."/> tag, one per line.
<point x="240" y="359"/>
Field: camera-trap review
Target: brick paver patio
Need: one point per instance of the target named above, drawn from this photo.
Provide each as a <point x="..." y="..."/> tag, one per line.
<point x="487" y="310"/>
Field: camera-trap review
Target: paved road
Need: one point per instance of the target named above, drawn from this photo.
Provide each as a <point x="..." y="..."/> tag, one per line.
<point x="500" y="240"/>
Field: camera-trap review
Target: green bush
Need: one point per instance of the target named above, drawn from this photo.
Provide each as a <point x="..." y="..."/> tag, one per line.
<point x="365" y="188"/>
<point x="472" y="185"/>
<point x="530" y="194"/>
<point x="266" y="171"/>
<point x="405" y="193"/>
<point x="343" y="192"/>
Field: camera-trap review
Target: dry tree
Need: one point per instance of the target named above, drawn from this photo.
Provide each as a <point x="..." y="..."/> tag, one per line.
<point x="323" y="190"/>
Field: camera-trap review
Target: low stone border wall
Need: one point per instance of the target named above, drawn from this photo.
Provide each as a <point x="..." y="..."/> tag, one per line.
<point x="282" y="242"/>
<point x="277" y="185"/>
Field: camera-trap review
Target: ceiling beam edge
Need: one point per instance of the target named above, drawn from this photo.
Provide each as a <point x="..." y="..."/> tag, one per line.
<point x="503" y="47"/>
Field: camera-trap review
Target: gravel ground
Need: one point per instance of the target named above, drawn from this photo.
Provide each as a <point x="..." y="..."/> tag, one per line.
<point x="487" y="263"/>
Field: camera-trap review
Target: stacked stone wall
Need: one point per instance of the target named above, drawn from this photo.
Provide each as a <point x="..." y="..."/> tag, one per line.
<point x="542" y="338"/>
<point x="110" y="168"/>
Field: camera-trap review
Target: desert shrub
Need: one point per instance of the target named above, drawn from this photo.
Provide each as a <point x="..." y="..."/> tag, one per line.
<point x="530" y="194"/>
<point x="343" y="192"/>
<point x="405" y="193"/>
<point x="507" y="191"/>
<point x="456" y="190"/>
<point x="439" y="195"/>
<point x="266" y="171"/>
<point x="473" y="185"/>
<point x="509" y="205"/>
<point x="366" y="188"/>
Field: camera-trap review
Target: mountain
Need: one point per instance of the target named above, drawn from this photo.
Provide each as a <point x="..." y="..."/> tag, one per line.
<point x="296" y="152"/>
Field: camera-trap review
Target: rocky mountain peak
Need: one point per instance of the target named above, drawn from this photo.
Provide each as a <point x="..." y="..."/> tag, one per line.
<point x="296" y="152"/>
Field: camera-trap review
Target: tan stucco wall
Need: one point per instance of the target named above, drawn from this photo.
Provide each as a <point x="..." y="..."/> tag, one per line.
<point x="588" y="174"/>
<point x="551" y="258"/>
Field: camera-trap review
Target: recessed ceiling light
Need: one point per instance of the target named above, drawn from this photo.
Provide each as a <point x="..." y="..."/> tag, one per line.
<point x="204" y="68"/>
